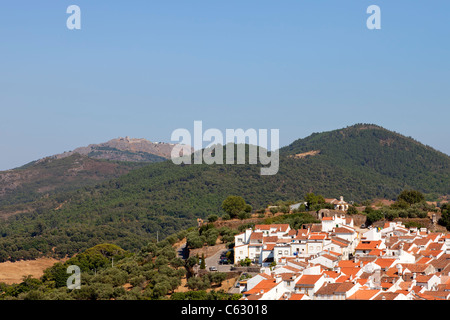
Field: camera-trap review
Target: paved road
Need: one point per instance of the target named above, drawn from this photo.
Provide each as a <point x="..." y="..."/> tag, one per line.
<point x="181" y="251"/>
<point x="214" y="261"/>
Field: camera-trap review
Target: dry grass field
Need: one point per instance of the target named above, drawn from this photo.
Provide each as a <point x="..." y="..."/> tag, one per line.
<point x="13" y="272"/>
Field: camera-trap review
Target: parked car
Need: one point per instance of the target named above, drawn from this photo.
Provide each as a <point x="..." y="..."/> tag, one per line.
<point x="212" y="268"/>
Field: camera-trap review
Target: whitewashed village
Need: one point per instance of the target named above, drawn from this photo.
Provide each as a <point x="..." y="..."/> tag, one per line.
<point x="336" y="260"/>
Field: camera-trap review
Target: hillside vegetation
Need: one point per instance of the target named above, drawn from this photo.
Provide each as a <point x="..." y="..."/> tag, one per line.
<point x="50" y="176"/>
<point x="359" y="162"/>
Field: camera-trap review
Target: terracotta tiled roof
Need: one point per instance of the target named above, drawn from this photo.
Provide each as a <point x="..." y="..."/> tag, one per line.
<point x="269" y="247"/>
<point x="387" y="296"/>
<point x="263" y="286"/>
<point x="429" y="295"/>
<point x="385" y="263"/>
<point x="342" y="278"/>
<point x="317" y="236"/>
<point x="348" y="263"/>
<point x="362" y="294"/>
<point x="272" y="239"/>
<point x="296" y="296"/>
<point x="350" y="271"/>
<point x="430" y="253"/>
<point x="422" y="278"/>
<point x="435" y="246"/>
<point x="343" y="230"/>
<point x="414" y="267"/>
<point x="421" y="242"/>
<point x="282" y="227"/>
<point x="308" y="280"/>
<point x="256" y="236"/>
<point x="368" y="245"/>
<point x="331" y="274"/>
<point x="335" y="288"/>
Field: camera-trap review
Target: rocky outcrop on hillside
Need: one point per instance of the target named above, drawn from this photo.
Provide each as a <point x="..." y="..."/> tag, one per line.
<point x="124" y="149"/>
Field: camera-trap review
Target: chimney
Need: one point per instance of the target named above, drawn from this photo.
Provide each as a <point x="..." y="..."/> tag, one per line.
<point x="399" y="269"/>
<point x="377" y="278"/>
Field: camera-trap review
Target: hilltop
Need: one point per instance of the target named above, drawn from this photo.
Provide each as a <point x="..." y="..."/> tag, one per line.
<point x="124" y="149"/>
<point x="81" y="167"/>
<point x="374" y="161"/>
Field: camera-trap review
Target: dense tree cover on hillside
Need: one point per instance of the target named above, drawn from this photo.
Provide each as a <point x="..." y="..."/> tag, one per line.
<point x="384" y="159"/>
<point x="409" y="204"/>
<point x="154" y="271"/>
<point x="410" y="197"/>
<point x="445" y="217"/>
<point x="208" y="235"/>
<point x="360" y="162"/>
<point x="52" y="176"/>
<point x="109" y="272"/>
<point x="235" y="206"/>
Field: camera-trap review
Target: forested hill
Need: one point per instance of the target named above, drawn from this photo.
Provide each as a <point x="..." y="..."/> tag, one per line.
<point x="50" y="176"/>
<point x="81" y="167"/>
<point x="377" y="156"/>
<point x="359" y="162"/>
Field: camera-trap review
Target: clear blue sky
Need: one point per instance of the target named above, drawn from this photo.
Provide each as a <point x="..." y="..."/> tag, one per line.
<point x="144" y="68"/>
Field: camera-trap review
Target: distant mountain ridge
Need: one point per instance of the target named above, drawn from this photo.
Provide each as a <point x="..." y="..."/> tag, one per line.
<point x="124" y="149"/>
<point x="81" y="167"/>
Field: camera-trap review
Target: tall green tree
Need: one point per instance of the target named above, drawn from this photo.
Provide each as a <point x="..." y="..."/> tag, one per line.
<point x="233" y="205"/>
<point x="411" y="196"/>
<point x="203" y="263"/>
<point x="311" y="199"/>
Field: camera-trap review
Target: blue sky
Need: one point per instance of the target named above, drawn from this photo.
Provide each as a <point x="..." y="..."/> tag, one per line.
<point x="145" y="68"/>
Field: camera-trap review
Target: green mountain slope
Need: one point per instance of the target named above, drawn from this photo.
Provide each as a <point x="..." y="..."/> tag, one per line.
<point x="358" y="162"/>
<point x="382" y="160"/>
<point x="49" y="176"/>
<point x="82" y="167"/>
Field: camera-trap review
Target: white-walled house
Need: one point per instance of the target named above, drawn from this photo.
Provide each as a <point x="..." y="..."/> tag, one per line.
<point x="253" y="282"/>
<point x="240" y="253"/>
<point x="336" y="221"/>
<point x="336" y="291"/>
<point x="345" y="233"/>
<point x="341" y="246"/>
<point x="326" y="260"/>
<point x="279" y="230"/>
<point x="242" y="238"/>
<point x="315" y="264"/>
<point x="364" y="247"/>
<point x="429" y="282"/>
<point x="269" y="289"/>
<point x="281" y="250"/>
<point x="373" y="234"/>
<point x="309" y="283"/>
